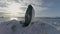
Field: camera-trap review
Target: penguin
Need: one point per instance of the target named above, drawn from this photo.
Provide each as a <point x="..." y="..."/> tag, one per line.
<point x="28" y="15"/>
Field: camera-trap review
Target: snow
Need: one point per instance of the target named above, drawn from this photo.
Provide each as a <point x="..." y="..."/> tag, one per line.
<point x="38" y="27"/>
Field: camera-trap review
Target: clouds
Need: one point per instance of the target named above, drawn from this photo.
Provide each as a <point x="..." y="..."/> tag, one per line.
<point x="3" y="5"/>
<point x="21" y="5"/>
<point x="36" y="2"/>
<point x="17" y="1"/>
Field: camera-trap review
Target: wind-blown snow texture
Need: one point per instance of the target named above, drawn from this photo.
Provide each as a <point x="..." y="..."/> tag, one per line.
<point x="36" y="27"/>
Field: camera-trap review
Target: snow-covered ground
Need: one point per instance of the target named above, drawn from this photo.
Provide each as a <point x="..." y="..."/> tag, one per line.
<point x="35" y="27"/>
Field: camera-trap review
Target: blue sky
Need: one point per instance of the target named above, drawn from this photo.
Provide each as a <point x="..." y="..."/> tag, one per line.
<point x="53" y="8"/>
<point x="43" y="8"/>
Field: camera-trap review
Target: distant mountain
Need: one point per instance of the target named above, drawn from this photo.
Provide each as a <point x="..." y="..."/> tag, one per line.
<point x="48" y="17"/>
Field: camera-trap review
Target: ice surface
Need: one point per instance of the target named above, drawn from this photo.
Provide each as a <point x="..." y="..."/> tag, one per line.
<point x="37" y="27"/>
